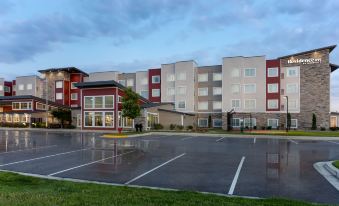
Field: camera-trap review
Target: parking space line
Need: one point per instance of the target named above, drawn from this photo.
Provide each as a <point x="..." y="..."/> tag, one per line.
<point x="66" y="170"/>
<point x="186" y="138"/>
<point x="254" y="140"/>
<point x="295" y="142"/>
<point x="333" y="142"/>
<point x="163" y="164"/>
<point x="220" y="139"/>
<point x="236" y="176"/>
<point x="39" y="158"/>
<point x="22" y="150"/>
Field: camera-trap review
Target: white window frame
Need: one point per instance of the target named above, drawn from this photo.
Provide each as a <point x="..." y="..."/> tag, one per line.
<point x="146" y="91"/>
<point x="72" y="85"/>
<point x="296" y="123"/>
<point x="235" y="73"/>
<point x="288" y="69"/>
<point x="217" y="76"/>
<point x="202" y="90"/>
<point x="277" y="120"/>
<point x="255" y="104"/>
<point x="1" y="88"/>
<point x="271" y="100"/>
<point x="57" y="84"/>
<point x="7" y="89"/>
<point x="296" y="88"/>
<point x="130" y="82"/>
<point x="213" y="123"/>
<point x="269" y="88"/>
<point x="103" y="102"/>
<point x="122" y="82"/>
<point x="215" y="102"/>
<point x="170" y="77"/>
<point x="252" y="120"/>
<point x="179" y="104"/>
<point x="275" y="69"/>
<point x="183" y="77"/>
<point x="58" y="97"/>
<point x="236" y="126"/>
<point x="203" y="77"/>
<point x="205" y="103"/>
<point x="289" y="104"/>
<point x="21" y="87"/>
<point x="236" y="100"/>
<point x="178" y="90"/>
<point x="103" y="113"/>
<point x="250" y="92"/>
<point x="154" y="77"/>
<point x="29" y="86"/>
<point x="217" y="93"/>
<point x="239" y="91"/>
<point x="153" y="92"/>
<point x="205" y="119"/>
<point x="255" y="72"/>
<point x="72" y="97"/>
<point x="170" y="91"/>
<point x="30" y="106"/>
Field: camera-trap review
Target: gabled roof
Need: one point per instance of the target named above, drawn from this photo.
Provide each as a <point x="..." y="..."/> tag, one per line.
<point x="330" y="48"/>
<point x="110" y="83"/>
<point x="24" y="97"/>
<point x="64" y="69"/>
<point x="334" y="67"/>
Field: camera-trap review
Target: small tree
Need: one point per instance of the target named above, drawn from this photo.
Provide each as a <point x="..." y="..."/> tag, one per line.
<point x="130" y="104"/>
<point x="209" y="121"/>
<point x="288" y="121"/>
<point x="62" y="115"/>
<point x="314" y="122"/>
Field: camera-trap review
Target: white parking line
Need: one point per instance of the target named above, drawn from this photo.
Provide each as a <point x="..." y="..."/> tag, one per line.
<point x="39" y="158"/>
<point x="295" y="142"/>
<point x="165" y="163"/>
<point x="236" y="176"/>
<point x="66" y="170"/>
<point x="220" y="139"/>
<point x="186" y="138"/>
<point x="254" y="140"/>
<point x="22" y="150"/>
<point x="333" y="142"/>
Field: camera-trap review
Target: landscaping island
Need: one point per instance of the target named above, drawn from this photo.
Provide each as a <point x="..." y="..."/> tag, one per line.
<point x="336" y="164"/>
<point x="17" y="189"/>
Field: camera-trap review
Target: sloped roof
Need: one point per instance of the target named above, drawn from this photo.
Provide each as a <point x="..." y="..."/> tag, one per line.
<point x="330" y="48"/>
<point x="65" y="69"/>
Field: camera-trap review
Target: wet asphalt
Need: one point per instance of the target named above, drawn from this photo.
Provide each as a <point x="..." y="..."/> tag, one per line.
<point x="270" y="167"/>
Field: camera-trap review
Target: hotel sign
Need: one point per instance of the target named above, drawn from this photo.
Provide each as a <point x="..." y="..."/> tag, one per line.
<point x="304" y="61"/>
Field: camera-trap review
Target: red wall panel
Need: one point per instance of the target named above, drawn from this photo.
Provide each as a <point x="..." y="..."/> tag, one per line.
<point x="151" y="73"/>
<point x="273" y="80"/>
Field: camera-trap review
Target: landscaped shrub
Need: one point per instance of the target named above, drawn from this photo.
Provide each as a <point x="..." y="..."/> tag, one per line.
<point x="180" y="127"/>
<point x="333" y="128"/>
<point x="172" y="126"/>
<point x="158" y="126"/>
<point x="70" y="126"/>
<point x="314" y="122"/>
<point x="263" y="127"/>
<point x="269" y="128"/>
<point x="254" y="127"/>
<point x="322" y="129"/>
<point x="189" y="127"/>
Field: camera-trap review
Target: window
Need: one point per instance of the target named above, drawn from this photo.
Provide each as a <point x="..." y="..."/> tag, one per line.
<point x="58" y="84"/>
<point x="250" y="122"/>
<point x="291" y="88"/>
<point x="16" y="118"/>
<point x="73" y="85"/>
<point x="89" y="102"/>
<point x="170" y="91"/>
<point x="21" y="87"/>
<point x="109" y="102"/>
<point x="58" y="96"/>
<point x="8" y="118"/>
<point x="1" y="88"/>
<point x="203" y="77"/>
<point x="294" y="123"/>
<point x="203" y="91"/>
<point x="217" y="76"/>
<point x="249" y="88"/>
<point x="235" y="122"/>
<point x="119" y="99"/>
<point x="272" y="88"/>
<point x="249" y="104"/>
<point x="272" y="104"/>
<point x="88" y="119"/>
<point x="99" y="119"/>
<point x="130" y="82"/>
<point x="144" y="81"/>
<point x="272" y="123"/>
<point x="333" y="121"/>
<point x="182" y="90"/>
<point x="155" y="79"/>
<point x="202" y="105"/>
<point x="122" y="82"/>
<point x="203" y="122"/>
<point x="217" y="91"/>
<point x="249" y="72"/>
<point x="217" y="122"/>
<point x="99" y="102"/>
<point x="235" y="88"/>
<point x="15" y="105"/>
<point x="181" y="76"/>
<point x="181" y="105"/>
<point x="40" y="106"/>
<point x="74" y="96"/>
<point x="170" y="77"/>
<point x="7" y="89"/>
<point x="22" y="105"/>
<point x="235" y="73"/>
<point x="155" y="92"/>
<point x="292" y="104"/>
<point x="235" y="103"/>
<point x="144" y="94"/>
<point x="29" y="86"/>
<point x="217" y="105"/>
<point x="272" y="72"/>
<point x="292" y="72"/>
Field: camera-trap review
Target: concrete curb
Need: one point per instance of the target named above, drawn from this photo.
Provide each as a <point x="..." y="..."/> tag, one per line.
<point x="332" y="169"/>
<point x="322" y="169"/>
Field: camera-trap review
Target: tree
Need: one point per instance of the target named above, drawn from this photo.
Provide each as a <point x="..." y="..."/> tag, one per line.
<point x="130" y="104"/>
<point x="62" y="115"/>
<point x="314" y="122"/>
<point x="288" y="121"/>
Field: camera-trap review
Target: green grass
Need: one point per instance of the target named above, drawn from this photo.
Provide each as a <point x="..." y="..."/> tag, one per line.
<point x="23" y="190"/>
<point x="336" y="164"/>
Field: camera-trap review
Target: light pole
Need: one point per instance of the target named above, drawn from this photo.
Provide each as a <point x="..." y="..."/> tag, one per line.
<point x="286" y="97"/>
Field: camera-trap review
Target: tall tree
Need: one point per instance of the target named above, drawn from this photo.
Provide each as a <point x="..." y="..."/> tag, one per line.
<point x="62" y="115"/>
<point x="130" y="104"/>
<point x="314" y="122"/>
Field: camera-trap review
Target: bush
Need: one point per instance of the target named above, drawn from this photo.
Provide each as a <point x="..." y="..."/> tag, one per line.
<point x="172" y="126"/>
<point x="189" y="127"/>
<point x="180" y="127"/>
<point x="70" y="127"/>
<point x="158" y="126"/>
<point x="322" y="129"/>
<point x="269" y="128"/>
<point x="254" y="127"/>
<point x="333" y="128"/>
<point x="263" y="127"/>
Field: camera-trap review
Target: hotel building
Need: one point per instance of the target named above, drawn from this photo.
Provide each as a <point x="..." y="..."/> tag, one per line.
<point x="252" y="92"/>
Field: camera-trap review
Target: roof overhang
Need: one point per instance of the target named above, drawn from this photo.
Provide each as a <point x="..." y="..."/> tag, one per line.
<point x="334" y="67"/>
<point x="330" y="48"/>
<point x="64" y="69"/>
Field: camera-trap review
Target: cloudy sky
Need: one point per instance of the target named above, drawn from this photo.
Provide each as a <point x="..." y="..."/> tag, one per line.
<point x="131" y="35"/>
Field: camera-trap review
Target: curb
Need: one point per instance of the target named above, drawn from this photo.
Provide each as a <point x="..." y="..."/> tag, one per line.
<point x="323" y="171"/>
<point x="332" y="169"/>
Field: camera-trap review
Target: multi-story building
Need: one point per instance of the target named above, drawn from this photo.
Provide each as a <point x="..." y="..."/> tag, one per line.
<point x="154" y="85"/>
<point x="29" y="85"/>
<point x="5" y="88"/>
<point x="102" y="76"/>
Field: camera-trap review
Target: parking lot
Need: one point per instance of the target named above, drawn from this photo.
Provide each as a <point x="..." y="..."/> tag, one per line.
<point x="255" y="167"/>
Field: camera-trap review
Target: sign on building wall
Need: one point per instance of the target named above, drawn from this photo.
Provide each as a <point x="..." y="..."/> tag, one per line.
<point x="304" y="61"/>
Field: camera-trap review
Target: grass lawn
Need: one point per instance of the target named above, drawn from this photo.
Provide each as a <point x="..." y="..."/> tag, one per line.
<point x="336" y="164"/>
<point x="22" y="190"/>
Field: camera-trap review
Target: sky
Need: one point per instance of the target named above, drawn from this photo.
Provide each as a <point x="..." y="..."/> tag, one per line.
<point x="132" y="35"/>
